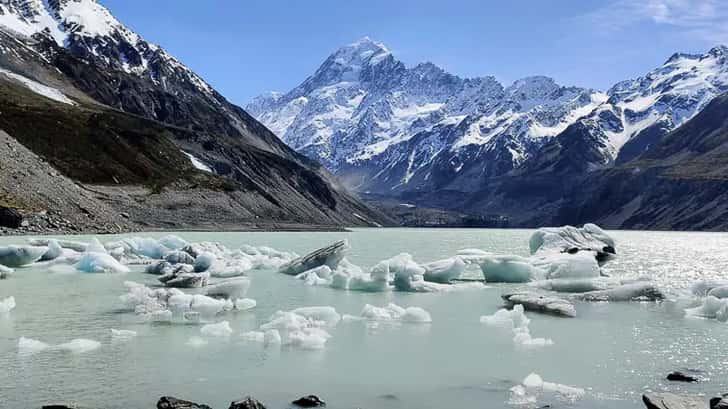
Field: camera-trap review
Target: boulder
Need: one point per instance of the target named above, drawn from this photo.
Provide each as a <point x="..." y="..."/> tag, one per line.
<point x="671" y="401"/>
<point x="678" y="376"/>
<point x="168" y="402"/>
<point x="246" y="403"/>
<point x="310" y="401"/>
<point x="10" y="218"/>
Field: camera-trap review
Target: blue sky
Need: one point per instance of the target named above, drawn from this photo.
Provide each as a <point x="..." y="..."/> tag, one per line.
<point x="244" y="48"/>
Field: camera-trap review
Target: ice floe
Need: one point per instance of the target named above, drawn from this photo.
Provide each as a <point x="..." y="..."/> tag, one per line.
<point x="122" y="334"/>
<point x="393" y="312"/>
<point x="712" y="307"/>
<point x="19" y="256"/>
<point x="7" y="305"/>
<point x="533" y="386"/>
<point x="220" y="329"/>
<point x="540" y="303"/>
<point x="304" y="328"/>
<point x="29" y="346"/>
<point x="518" y="322"/>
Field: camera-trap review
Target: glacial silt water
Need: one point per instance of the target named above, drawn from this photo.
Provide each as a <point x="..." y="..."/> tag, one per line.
<point x="614" y="351"/>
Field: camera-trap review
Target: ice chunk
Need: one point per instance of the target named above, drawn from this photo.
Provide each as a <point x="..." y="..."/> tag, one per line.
<point x="326" y="316"/>
<point x="272" y="337"/>
<point x="702" y="288"/>
<point x="719" y="292"/>
<point x="79" y="346"/>
<point x="517" y="321"/>
<point x="181" y="277"/>
<point x="18" y="256"/>
<point x="221" y="329"/>
<point x="309" y="338"/>
<point x="204" y="261"/>
<point x="196" y="341"/>
<point x="27" y="346"/>
<point x="535" y="383"/>
<point x="77" y="246"/>
<point x="178" y="256"/>
<point x="576" y="285"/>
<point x="5" y="272"/>
<point x="122" y="334"/>
<point x="473" y="256"/>
<point x="7" y="305"/>
<point x="160" y="267"/>
<point x="509" y="269"/>
<point x="172" y="242"/>
<point x="244" y="304"/>
<point x="233" y="288"/>
<point x="97" y="262"/>
<point x="54" y="251"/>
<point x="321" y="275"/>
<point x="712" y="307"/>
<point x="540" y="303"/>
<point x="329" y="256"/>
<point x="565" y="265"/>
<point x="637" y="291"/>
<point x="253" y="336"/>
<point x="569" y="239"/>
<point x="444" y="271"/>
<point x="393" y="312"/>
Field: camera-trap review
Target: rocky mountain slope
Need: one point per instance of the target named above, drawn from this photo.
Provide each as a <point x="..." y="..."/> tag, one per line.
<point x="108" y="109"/>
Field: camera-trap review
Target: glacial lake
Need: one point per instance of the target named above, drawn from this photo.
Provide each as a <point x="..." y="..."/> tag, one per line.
<point x="614" y="351"/>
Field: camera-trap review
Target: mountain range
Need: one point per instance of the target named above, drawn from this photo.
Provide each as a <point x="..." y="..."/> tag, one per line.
<point x="426" y="137"/>
<point x="140" y="132"/>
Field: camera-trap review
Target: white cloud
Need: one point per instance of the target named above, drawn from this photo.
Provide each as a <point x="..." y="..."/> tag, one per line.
<point x="703" y="19"/>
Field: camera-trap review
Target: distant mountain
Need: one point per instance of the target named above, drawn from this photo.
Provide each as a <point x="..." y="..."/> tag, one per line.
<point x="98" y="69"/>
<point x="473" y="145"/>
<point x="387" y="128"/>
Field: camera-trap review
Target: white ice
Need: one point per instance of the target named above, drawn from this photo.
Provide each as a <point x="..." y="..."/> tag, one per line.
<point x="27" y="346"/>
<point x="393" y="312"/>
<point x="18" y="256"/>
<point x="122" y="334"/>
<point x="220" y="329"/>
<point x="7" y="305"/>
<point x="517" y="321"/>
<point x="533" y="383"/>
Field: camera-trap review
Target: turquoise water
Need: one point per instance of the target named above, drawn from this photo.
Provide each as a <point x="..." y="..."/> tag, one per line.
<point x="615" y="351"/>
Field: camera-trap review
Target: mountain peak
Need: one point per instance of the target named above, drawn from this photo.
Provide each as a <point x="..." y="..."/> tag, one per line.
<point x="718" y="51"/>
<point x="361" y="52"/>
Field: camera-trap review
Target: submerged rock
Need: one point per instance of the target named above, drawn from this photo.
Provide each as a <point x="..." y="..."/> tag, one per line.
<point x="671" y="401"/>
<point x="310" y="401"/>
<point x="330" y="256"/>
<point x="540" y="303"/>
<point x="168" y="402"/>
<point x="678" y="376"/>
<point x="246" y="403"/>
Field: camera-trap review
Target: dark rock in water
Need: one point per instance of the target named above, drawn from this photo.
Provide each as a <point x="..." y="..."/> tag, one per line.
<point x="671" y="401"/>
<point x="246" y="403"/>
<point x="310" y="401"/>
<point x="389" y="396"/>
<point x="168" y="402"/>
<point x="719" y="402"/>
<point x="58" y="407"/>
<point x="10" y="218"/>
<point x="678" y="376"/>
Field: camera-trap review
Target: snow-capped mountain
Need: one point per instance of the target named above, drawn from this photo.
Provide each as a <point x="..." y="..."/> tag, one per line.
<point x="381" y="125"/>
<point x="384" y="127"/>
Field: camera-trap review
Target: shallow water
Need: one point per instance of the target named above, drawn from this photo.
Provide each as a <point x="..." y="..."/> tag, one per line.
<point x="616" y="351"/>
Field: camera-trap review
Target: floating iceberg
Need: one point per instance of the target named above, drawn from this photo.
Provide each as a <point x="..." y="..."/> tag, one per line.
<point x="122" y="334"/>
<point x="712" y="307"/>
<point x="220" y="329"/>
<point x="269" y="337"/>
<point x="534" y="384"/>
<point x="540" y="303"/>
<point x="77" y="246"/>
<point x="183" y="276"/>
<point x="571" y="240"/>
<point x="244" y="304"/>
<point x="18" y="256"/>
<point x="303" y="328"/>
<point x="233" y="288"/>
<point x="517" y="321"/>
<point x="7" y="305"/>
<point x="99" y="262"/>
<point x="328" y="256"/>
<point x="636" y="291"/>
<point x="178" y="257"/>
<point x="5" y="272"/>
<point x="509" y="269"/>
<point x="444" y="271"/>
<point x="54" y="251"/>
<point x="393" y="312"/>
<point x="28" y="346"/>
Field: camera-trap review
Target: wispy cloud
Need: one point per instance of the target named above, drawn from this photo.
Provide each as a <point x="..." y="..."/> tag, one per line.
<point x="706" y="20"/>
